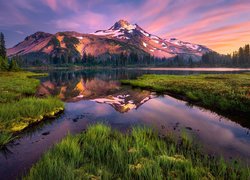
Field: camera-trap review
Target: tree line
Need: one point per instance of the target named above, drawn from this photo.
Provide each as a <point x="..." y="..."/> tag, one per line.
<point x="5" y="63"/>
<point x="240" y="58"/>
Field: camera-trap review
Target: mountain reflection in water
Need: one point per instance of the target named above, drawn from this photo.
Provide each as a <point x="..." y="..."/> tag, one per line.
<point x="101" y="86"/>
<point x="96" y="96"/>
<point x="109" y="92"/>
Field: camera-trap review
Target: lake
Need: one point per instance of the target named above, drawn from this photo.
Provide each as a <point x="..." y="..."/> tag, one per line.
<point x="93" y="96"/>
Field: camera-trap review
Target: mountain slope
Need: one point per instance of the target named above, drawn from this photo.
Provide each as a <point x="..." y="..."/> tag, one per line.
<point x="122" y="37"/>
<point x="154" y="45"/>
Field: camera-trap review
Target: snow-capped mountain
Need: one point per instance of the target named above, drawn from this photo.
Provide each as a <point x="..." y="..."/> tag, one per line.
<point x="98" y="90"/>
<point x="154" y="45"/>
<point x="121" y="37"/>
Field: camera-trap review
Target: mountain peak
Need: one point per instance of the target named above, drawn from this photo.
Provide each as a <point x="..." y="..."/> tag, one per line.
<point x="37" y="35"/>
<point x="126" y="36"/>
<point x="122" y="24"/>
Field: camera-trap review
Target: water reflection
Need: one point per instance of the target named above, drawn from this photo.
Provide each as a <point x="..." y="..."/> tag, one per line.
<point x="217" y="134"/>
<point x="103" y="85"/>
<point x="110" y="92"/>
<point x="96" y="96"/>
<point x="78" y="89"/>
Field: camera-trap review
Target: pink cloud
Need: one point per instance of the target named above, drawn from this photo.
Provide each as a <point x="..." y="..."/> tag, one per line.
<point x="209" y="27"/>
<point x="171" y="15"/>
<point x="52" y="4"/>
<point x="224" y="39"/>
<point x="151" y="8"/>
<point x="218" y="24"/>
<point x="84" y="22"/>
<point x="211" y="19"/>
<point x="57" y="5"/>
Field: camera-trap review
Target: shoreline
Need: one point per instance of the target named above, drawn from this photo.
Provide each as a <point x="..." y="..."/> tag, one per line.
<point x="20" y="108"/>
<point x="217" y="69"/>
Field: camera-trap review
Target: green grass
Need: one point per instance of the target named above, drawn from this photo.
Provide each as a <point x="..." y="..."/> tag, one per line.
<point x="19" y="108"/>
<point x="101" y="153"/>
<point x="225" y="92"/>
<point x="15" y="85"/>
<point x="16" y="116"/>
<point x="5" y="137"/>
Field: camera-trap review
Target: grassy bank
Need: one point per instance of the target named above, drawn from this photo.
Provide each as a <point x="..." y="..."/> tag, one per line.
<point x="18" y="106"/>
<point x="16" y="85"/>
<point x="225" y="92"/>
<point x="101" y="153"/>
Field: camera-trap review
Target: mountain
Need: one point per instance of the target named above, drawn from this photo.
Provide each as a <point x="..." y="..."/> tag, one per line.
<point x="122" y="37"/>
<point x="98" y="90"/>
<point x="152" y="44"/>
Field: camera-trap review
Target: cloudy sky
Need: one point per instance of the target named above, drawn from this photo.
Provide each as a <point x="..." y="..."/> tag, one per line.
<point x="223" y="25"/>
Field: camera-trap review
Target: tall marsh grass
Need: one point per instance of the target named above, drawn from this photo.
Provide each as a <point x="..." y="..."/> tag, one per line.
<point x="19" y="108"/>
<point x="16" y="116"/>
<point x="101" y="153"/>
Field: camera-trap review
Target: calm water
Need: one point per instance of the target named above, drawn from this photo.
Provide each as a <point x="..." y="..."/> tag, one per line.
<point x="96" y="96"/>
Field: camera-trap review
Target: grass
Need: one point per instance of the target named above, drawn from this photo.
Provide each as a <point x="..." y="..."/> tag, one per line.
<point x="19" y="108"/>
<point x="15" y="85"/>
<point x="101" y="153"/>
<point x="5" y="138"/>
<point x="16" y="116"/>
<point x="225" y="92"/>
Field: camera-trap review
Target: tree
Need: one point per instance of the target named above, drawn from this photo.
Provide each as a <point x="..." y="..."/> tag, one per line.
<point x="134" y="58"/>
<point x="2" y="46"/>
<point x="190" y="61"/>
<point x="247" y="53"/>
<point x="63" y="61"/>
<point x="122" y="59"/>
<point x="205" y="58"/>
<point x="234" y="58"/>
<point x="179" y="60"/>
<point x="90" y="59"/>
<point x="4" y="66"/>
<point x="241" y="55"/>
<point x="13" y="65"/>
<point x="56" y="60"/>
<point x="84" y="58"/>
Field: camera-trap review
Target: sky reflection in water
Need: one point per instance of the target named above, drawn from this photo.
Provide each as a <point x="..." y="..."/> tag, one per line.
<point x="95" y="96"/>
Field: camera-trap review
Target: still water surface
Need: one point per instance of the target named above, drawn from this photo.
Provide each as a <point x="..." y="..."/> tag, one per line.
<point x="96" y="96"/>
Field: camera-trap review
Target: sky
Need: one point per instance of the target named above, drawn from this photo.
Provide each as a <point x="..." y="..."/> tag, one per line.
<point x="222" y="25"/>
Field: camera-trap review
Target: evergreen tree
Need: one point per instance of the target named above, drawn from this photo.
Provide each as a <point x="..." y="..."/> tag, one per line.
<point x="122" y="59"/>
<point x="63" y="61"/>
<point x="78" y="60"/>
<point x="70" y="59"/>
<point x="66" y="57"/>
<point x="235" y="58"/>
<point x="84" y="58"/>
<point x="4" y="66"/>
<point x="247" y="53"/>
<point x="190" y="61"/>
<point x="241" y="56"/>
<point x="55" y="60"/>
<point x="2" y="46"/>
<point x="13" y="65"/>
<point x="205" y="58"/>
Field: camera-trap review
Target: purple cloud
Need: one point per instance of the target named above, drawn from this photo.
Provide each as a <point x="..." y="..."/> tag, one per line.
<point x="192" y="20"/>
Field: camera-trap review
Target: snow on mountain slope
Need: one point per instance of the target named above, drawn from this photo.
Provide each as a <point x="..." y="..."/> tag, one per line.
<point x="121" y="37"/>
<point x="134" y="34"/>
